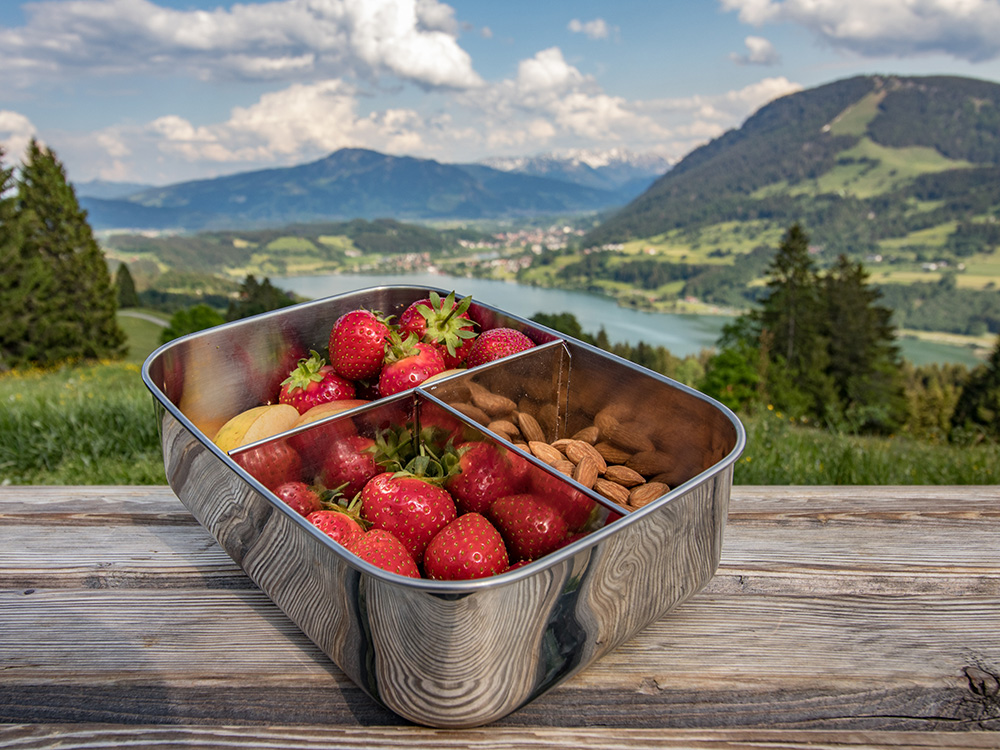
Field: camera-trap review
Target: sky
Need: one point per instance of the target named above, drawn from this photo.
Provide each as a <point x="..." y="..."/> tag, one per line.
<point x="163" y="91"/>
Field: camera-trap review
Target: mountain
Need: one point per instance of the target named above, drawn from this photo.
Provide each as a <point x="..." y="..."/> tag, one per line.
<point x="867" y="164"/>
<point x="347" y="184"/>
<point x="619" y="170"/>
<point x="107" y="189"/>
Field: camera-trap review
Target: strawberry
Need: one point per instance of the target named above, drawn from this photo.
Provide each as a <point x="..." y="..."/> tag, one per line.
<point x="408" y="363"/>
<point x="530" y="527"/>
<point x="299" y="496"/>
<point x="484" y="475"/>
<point x="575" y="507"/>
<point x="349" y="463"/>
<point x="444" y="324"/>
<point x="468" y="547"/>
<point x="271" y="464"/>
<point x="383" y="550"/>
<point x="495" y="343"/>
<point x="337" y="525"/>
<point x="410" y="507"/>
<point x="313" y="382"/>
<point x="357" y="344"/>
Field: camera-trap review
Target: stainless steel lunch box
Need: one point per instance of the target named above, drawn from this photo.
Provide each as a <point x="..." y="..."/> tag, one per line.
<point x="465" y="653"/>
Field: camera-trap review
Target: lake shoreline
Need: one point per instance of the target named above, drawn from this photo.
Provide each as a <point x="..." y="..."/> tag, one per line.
<point x="683" y="332"/>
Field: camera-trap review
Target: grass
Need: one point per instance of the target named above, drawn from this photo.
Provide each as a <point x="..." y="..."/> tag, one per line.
<point x="780" y="451"/>
<point x="79" y="424"/>
<point x="95" y="424"/>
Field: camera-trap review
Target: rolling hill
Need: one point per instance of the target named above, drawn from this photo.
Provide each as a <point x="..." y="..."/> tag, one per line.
<point x="898" y="166"/>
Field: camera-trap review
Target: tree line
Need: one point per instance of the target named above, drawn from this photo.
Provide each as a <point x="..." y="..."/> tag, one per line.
<point x="820" y="348"/>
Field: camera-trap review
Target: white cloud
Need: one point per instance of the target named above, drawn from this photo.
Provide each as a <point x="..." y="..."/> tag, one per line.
<point x="412" y="40"/>
<point x="595" y="29"/>
<point x="16" y="131"/>
<point x="964" y="29"/>
<point x="760" y="51"/>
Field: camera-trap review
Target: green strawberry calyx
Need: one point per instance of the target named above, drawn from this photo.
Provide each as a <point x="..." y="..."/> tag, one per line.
<point x="307" y="371"/>
<point x="445" y="324"/>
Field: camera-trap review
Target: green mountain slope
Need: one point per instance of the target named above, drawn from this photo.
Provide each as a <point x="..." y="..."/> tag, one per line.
<point x="868" y="165"/>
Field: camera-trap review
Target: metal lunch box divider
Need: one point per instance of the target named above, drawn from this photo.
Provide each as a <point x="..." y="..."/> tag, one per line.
<point x="441" y="653"/>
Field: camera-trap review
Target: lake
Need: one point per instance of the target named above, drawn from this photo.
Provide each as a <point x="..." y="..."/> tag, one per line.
<point x="681" y="334"/>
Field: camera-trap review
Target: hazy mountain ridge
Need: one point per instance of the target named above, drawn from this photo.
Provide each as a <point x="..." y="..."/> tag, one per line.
<point x="349" y="184"/>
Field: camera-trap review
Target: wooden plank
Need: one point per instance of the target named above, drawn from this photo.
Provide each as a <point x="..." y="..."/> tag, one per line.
<point x="493" y="738"/>
<point x="868" y="609"/>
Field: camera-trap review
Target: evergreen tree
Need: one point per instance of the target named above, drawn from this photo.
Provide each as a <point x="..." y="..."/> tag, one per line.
<point x="791" y="314"/>
<point x="256" y="298"/>
<point x="864" y="361"/>
<point x="71" y="307"/>
<point x="125" y="284"/>
<point x="13" y="300"/>
<point x="977" y="413"/>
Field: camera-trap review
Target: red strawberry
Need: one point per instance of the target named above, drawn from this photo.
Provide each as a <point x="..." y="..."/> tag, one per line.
<point x="271" y="464"/>
<point x="408" y="364"/>
<point x="314" y="382"/>
<point x="300" y="497"/>
<point x="468" y="547"/>
<point x="383" y="550"/>
<point x="575" y="507"/>
<point x="337" y="525"/>
<point x="496" y="343"/>
<point x="485" y="475"/>
<point x="443" y="323"/>
<point x="409" y="507"/>
<point x="530" y="527"/>
<point x="357" y="344"/>
<point x="349" y="461"/>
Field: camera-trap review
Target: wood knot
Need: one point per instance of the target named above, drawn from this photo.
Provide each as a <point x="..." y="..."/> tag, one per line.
<point x="982" y="682"/>
<point x="649" y="686"/>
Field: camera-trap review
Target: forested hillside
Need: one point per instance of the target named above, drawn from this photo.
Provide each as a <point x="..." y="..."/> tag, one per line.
<point x="864" y="163"/>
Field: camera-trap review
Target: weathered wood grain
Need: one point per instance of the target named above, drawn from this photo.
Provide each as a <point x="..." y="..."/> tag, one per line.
<point x="855" y="616"/>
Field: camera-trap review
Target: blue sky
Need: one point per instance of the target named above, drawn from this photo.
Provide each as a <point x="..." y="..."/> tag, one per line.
<point x="159" y="91"/>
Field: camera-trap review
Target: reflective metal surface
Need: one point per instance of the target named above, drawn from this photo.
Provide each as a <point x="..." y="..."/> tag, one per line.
<point x="455" y="654"/>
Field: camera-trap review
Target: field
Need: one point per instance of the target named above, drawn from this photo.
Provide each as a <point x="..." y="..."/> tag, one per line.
<point x="95" y="424"/>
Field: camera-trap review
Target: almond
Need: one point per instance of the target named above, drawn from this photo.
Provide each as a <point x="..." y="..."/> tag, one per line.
<point x="503" y="427"/>
<point x="492" y="403"/>
<point x="565" y="466"/>
<point x="624" y="476"/>
<point x="612" y="454"/>
<point x="545" y="452"/>
<point x="577" y="450"/>
<point x="629" y="436"/>
<point x="646" y="493"/>
<point x="560" y="445"/>
<point x="530" y="427"/>
<point x="586" y="472"/>
<point x="588" y="434"/>
<point x="472" y="412"/>
<point x="650" y="463"/>
<point x="612" y="491"/>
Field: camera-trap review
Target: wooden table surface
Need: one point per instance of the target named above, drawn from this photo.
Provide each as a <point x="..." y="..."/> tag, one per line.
<point x="839" y="617"/>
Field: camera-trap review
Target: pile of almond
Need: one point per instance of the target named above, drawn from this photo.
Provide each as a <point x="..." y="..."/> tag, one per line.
<point x="614" y="458"/>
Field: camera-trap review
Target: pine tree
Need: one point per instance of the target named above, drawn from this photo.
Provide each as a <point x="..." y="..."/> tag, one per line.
<point x="791" y="314"/>
<point x="71" y="306"/>
<point x="864" y="361"/>
<point x="13" y="300"/>
<point x="256" y="298"/>
<point x="977" y="413"/>
<point x="125" y="284"/>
